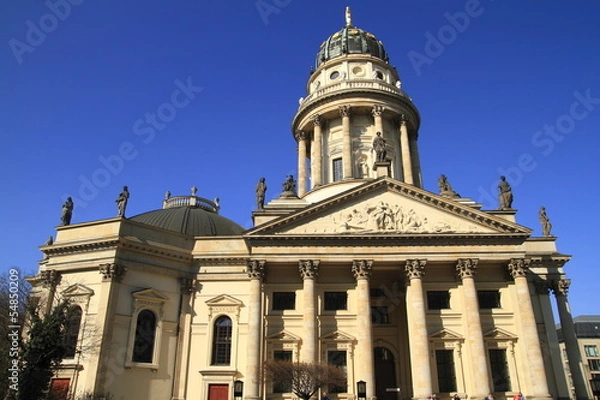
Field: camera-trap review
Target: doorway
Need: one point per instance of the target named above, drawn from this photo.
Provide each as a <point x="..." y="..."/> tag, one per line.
<point x="385" y="372"/>
<point x="218" y="392"/>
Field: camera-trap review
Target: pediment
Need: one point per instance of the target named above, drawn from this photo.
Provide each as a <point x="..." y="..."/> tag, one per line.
<point x="389" y="207"/>
<point x="151" y="295"/>
<point x="224" y="300"/>
<point x="446" y="334"/>
<point x="499" y="334"/>
<point x="284" y="336"/>
<point x="338" y="336"/>
<point x="77" y="290"/>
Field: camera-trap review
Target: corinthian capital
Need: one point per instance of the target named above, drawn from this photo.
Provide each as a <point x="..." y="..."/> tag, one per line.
<point x="345" y="111"/>
<point x="362" y="269"/>
<point x="300" y="135"/>
<point x="49" y="278"/>
<point x="256" y="269"/>
<point x="518" y="267"/>
<point x="561" y="286"/>
<point x="415" y="269"/>
<point x="465" y="267"/>
<point x="317" y="120"/>
<point x="309" y="269"/>
<point x="112" y="271"/>
<point x="377" y="110"/>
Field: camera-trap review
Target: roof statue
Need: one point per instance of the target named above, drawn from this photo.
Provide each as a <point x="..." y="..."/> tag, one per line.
<point x="348" y="17"/>
<point x="445" y="187"/>
<point x="289" y="187"/>
<point x="67" y="212"/>
<point x="122" y="202"/>
<point x="261" y="189"/>
<point x="505" y="196"/>
<point x="545" y="221"/>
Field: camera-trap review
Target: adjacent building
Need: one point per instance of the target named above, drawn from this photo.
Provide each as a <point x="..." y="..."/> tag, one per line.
<point x="355" y="264"/>
<point x="587" y="331"/>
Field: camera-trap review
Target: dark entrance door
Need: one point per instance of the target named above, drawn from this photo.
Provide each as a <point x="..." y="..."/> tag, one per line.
<point x="385" y="374"/>
<point x="218" y="392"/>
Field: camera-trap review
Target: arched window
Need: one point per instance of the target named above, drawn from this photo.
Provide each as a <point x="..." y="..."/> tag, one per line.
<point x="221" y="349"/>
<point x="72" y="331"/>
<point x="145" y="334"/>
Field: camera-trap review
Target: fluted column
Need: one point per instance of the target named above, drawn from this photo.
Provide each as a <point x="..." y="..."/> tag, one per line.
<point x="560" y="289"/>
<point x="417" y="330"/>
<point x="416" y="160"/>
<point x="308" y="271"/>
<point x="301" y="138"/>
<point x="364" y="347"/>
<point x="480" y="380"/>
<point x="317" y="153"/>
<point x="518" y="268"/>
<point x="182" y="356"/>
<point x="405" y="149"/>
<point x="346" y="142"/>
<point x="256" y="271"/>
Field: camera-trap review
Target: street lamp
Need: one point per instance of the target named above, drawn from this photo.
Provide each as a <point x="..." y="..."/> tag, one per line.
<point x="238" y="389"/>
<point x="361" y="390"/>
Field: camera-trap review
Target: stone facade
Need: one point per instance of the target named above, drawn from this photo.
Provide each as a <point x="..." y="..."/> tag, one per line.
<point x="412" y="292"/>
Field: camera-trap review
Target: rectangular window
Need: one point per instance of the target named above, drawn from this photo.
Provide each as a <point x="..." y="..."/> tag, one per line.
<point x="380" y="315"/>
<point x="591" y="351"/>
<point x="284" y="301"/>
<point x="377" y="292"/>
<point x="499" y="367"/>
<point x="438" y="300"/>
<point x="282" y="355"/>
<point x="337" y="170"/>
<point x="488" y="299"/>
<point x="336" y="301"/>
<point x="594" y="365"/>
<point x="445" y="370"/>
<point x="338" y="358"/>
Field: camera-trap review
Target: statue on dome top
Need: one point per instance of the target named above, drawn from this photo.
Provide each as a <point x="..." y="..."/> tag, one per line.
<point x="348" y="17"/>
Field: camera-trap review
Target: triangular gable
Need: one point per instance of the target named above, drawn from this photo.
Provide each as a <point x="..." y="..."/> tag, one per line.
<point x="77" y="290"/>
<point x="499" y="334"/>
<point x="338" y="336"/>
<point x="224" y="300"/>
<point x="284" y="336"/>
<point x="446" y="335"/>
<point x="151" y="295"/>
<point x="389" y="207"/>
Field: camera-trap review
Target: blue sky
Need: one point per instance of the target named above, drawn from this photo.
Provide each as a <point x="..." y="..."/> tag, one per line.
<point x="503" y="87"/>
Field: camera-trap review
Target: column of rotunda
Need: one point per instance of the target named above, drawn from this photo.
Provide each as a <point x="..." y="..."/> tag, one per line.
<point x="317" y="152"/>
<point x="256" y="271"/>
<point x="518" y="268"/>
<point x="301" y="138"/>
<point x="346" y="142"/>
<point x="417" y="329"/>
<point x="364" y="350"/>
<point x="309" y="270"/>
<point x="480" y="379"/>
<point x="405" y="149"/>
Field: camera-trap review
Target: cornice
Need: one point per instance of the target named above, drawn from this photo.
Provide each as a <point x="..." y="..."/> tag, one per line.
<point x="79" y="247"/>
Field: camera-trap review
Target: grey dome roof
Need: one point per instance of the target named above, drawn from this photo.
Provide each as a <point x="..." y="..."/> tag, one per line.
<point x="350" y="40"/>
<point x="192" y="216"/>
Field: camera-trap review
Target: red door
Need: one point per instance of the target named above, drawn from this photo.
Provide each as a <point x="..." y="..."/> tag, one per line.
<point x="218" y="392"/>
<point x="59" y="388"/>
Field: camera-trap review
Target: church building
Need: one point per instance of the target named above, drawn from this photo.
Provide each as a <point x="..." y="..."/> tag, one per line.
<point x="355" y="264"/>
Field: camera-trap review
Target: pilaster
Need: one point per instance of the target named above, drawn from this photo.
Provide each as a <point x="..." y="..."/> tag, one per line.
<point x="256" y="270"/>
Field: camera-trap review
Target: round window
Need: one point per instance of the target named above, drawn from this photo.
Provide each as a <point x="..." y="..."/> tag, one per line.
<point x="334" y="75"/>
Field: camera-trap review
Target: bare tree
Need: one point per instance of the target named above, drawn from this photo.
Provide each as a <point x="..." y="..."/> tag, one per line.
<point x="304" y="378"/>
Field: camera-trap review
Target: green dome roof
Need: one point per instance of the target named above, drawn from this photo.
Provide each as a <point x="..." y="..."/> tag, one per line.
<point x="192" y="216"/>
<point x="350" y="40"/>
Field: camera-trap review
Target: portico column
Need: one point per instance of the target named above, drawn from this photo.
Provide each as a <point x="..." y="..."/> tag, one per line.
<point x="346" y="142"/>
<point x="417" y="330"/>
<point x="364" y="347"/>
<point x="405" y="149"/>
<point x="317" y="153"/>
<point x="560" y="289"/>
<point x="301" y="138"/>
<point x="480" y="380"/>
<point x="518" y="268"/>
<point x="309" y="270"/>
<point x="256" y="271"/>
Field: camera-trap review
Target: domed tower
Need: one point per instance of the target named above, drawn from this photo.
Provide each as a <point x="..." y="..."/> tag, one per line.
<point x="353" y="94"/>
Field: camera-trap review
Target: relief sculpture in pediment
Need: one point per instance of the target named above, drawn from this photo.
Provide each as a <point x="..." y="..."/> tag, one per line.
<point x="383" y="217"/>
